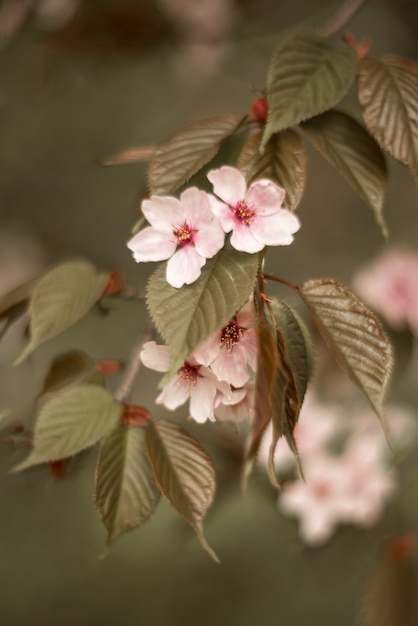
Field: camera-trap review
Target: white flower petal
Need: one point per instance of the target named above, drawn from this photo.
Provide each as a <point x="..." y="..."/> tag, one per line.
<point x="155" y="357"/>
<point x="243" y="240"/>
<point x="163" y="213"/>
<point x="197" y="207"/>
<point x="151" y="245"/>
<point x="265" y="196"/>
<point x="275" y="230"/>
<point x="202" y="400"/>
<point x="228" y="184"/>
<point x="184" y="267"/>
<point x="209" y="240"/>
<point x="174" y="394"/>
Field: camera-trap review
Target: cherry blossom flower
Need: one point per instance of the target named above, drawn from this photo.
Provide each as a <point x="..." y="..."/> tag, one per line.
<point x="390" y="286"/>
<point x="183" y="231"/>
<point x="192" y="381"/>
<point x="232" y="349"/>
<point x="254" y="215"/>
<point x="237" y="406"/>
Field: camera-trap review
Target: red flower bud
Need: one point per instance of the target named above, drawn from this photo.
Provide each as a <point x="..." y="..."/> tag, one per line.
<point x="135" y="416"/>
<point x="259" y="110"/>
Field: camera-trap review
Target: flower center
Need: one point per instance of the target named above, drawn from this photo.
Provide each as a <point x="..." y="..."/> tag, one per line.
<point x="188" y="375"/>
<point x="243" y="213"/>
<point x="183" y="234"/>
<point x="231" y="335"/>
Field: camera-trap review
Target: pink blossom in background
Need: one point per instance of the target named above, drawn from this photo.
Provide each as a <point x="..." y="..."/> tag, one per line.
<point x="183" y="231"/>
<point x="231" y="350"/>
<point x="192" y="382"/>
<point x="390" y="287"/>
<point x="255" y="215"/>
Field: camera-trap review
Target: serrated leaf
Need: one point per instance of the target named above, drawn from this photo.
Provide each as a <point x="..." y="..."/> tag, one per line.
<point x="283" y="161"/>
<point x="355" y="336"/>
<point x="184" y="473"/>
<point x="126" y="493"/>
<point x="267" y="369"/>
<point x="72" y="420"/>
<point x="188" y="150"/>
<point x="188" y="316"/>
<point x="348" y="147"/>
<point x="62" y="297"/>
<point x="308" y="75"/>
<point x="68" y="368"/>
<point x="388" y="96"/>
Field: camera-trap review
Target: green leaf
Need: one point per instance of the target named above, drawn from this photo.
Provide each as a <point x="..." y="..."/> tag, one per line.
<point x="62" y="297"/>
<point x="267" y="371"/>
<point x="348" y="147"/>
<point x="283" y="161"/>
<point x="355" y="336"/>
<point x="126" y="493"/>
<point x="184" y="473"/>
<point x="388" y="95"/>
<point x="188" y="316"/>
<point x="308" y="75"/>
<point x="69" y="368"/>
<point x="72" y="420"/>
<point x="188" y="150"/>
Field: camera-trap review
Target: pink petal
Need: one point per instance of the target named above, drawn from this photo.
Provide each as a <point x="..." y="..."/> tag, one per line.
<point x="208" y="351"/>
<point x="184" y="267"/>
<point x="231" y="367"/>
<point x="155" y="357"/>
<point x="209" y="240"/>
<point x="228" y="184"/>
<point x="243" y="240"/>
<point x="196" y="207"/>
<point x="174" y="394"/>
<point x="163" y="213"/>
<point x="202" y="400"/>
<point x="250" y="344"/>
<point x="265" y="196"/>
<point x="151" y="245"/>
<point x="276" y="230"/>
<point x="246" y="317"/>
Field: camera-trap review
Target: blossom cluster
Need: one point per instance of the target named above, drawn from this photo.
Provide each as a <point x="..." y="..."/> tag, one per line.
<point x="217" y="378"/>
<point x="345" y="460"/>
<point x="188" y="231"/>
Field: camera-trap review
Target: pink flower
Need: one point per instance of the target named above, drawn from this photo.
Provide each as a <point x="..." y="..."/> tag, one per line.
<point x="232" y="349"/>
<point x="183" y="231"/>
<point x="255" y="216"/>
<point x="237" y="406"/>
<point x="390" y="286"/>
<point x="192" y="381"/>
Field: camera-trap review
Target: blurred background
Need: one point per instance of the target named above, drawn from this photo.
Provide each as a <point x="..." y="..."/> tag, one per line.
<point x="81" y="80"/>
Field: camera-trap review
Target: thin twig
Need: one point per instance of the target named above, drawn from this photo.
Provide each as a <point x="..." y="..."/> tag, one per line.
<point x="133" y="367"/>
<point x="340" y="18"/>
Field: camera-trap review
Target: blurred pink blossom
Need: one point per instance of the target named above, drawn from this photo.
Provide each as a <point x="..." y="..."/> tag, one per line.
<point x="390" y="286"/>
<point x="236" y="406"/>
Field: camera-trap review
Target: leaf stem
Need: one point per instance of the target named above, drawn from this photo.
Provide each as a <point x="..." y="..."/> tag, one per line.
<point x="133" y="367"/>
<point x="283" y="281"/>
<point x="343" y="14"/>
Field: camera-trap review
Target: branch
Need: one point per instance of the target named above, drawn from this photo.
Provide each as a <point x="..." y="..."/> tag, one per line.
<point x="340" y="18"/>
<point x="133" y="367"/>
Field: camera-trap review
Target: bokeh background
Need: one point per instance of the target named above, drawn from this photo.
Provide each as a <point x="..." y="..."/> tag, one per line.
<point x="78" y="84"/>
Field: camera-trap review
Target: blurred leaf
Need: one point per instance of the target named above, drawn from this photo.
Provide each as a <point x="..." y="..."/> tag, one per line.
<point x="283" y="161"/>
<point x="348" y="147"/>
<point x="131" y="155"/>
<point x="188" y="150"/>
<point x="16" y="298"/>
<point x="355" y="336"/>
<point x="68" y="368"/>
<point x="184" y="473"/>
<point x="267" y="370"/>
<point x="72" y="420"/>
<point x="62" y="297"/>
<point x="126" y="493"/>
<point x="388" y="95"/>
<point x="188" y="316"/>
<point x="308" y="75"/>
<point x="390" y="595"/>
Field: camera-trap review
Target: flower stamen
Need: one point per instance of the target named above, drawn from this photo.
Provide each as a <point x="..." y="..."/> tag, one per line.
<point x="188" y="375"/>
<point x="243" y="213"/>
<point x="183" y="234"/>
<point x="231" y="335"/>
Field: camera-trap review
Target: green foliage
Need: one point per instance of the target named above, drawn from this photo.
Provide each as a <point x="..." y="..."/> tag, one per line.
<point x="354" y="334"/>
<point x="176" y="160"/>
<point x="387" y="92"/>
<point x="184" y="473"/>
<point x="283" y="161"/>
<point x="348" y="147"/>
<point x="126" y="493"/>
<point x="73" y="367"/>
<point x="60" y="298"/>
<point x="308" y="75"/>
<point x="70" y="421"/>
<point x="186" y="317"/>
